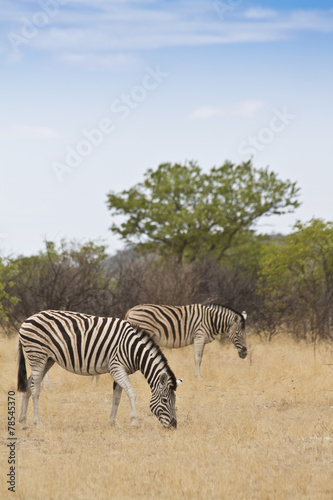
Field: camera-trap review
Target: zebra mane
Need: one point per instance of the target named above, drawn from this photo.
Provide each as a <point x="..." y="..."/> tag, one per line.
<point x="230" y="309"/>
<point x="151" y="343"/>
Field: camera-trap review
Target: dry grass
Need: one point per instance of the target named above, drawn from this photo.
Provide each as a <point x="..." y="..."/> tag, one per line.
<point x="260" y="428"/>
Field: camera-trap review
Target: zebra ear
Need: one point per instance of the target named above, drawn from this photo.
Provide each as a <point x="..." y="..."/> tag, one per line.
<point x="244" y="315"/>
<point x="163" y="378"/>
<point x="179" y="381"/>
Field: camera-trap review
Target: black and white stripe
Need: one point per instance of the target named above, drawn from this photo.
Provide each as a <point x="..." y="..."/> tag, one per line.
<point x="198" y="324"/>
<point x="91" y="345"/>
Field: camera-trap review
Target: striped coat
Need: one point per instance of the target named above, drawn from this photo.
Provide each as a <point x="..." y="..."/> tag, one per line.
<point x="198" y="324"/>
<point x="92" y="345"/>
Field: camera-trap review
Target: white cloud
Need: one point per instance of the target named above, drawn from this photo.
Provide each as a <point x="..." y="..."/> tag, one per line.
<point x="114" y="61"/>
<point x="101" y="28"/>
<point x="245" y="108"/>
<point x="205" y="112"/>
<point x="20" y="131"/>
<point x="260" y="13"/>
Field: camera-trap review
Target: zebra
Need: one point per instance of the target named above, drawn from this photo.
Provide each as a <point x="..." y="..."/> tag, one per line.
<point x="92" y="345"/>
<point x="198" y="324"/>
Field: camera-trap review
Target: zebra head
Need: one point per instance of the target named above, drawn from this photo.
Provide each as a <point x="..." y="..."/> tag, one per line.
<point x="237" y="334"/>
<point x="163" y="400"/>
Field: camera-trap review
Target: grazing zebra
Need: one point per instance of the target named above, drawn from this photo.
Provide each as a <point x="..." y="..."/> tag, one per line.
<point x="91" y="345"/>
<point x="198" y="324"/>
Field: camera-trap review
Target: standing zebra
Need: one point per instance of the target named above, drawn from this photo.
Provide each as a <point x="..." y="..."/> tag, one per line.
<point x="198" y="324"/>
<point x="91" y="345"/>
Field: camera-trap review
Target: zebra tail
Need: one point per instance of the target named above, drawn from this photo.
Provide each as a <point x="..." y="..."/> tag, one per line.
<point x="22" y="381"/>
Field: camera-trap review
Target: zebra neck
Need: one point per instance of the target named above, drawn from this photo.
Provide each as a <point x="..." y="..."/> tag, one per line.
<point x="221" y="321"/>
<point x="149" y="360"/>
<point x="151" y="363"/>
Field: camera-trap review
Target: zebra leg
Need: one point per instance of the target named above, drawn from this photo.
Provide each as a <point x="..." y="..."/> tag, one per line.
<point x="199" y="344"/>
<point x="46" y="382"/>
<point x="24" y="405"/>
<point x="37" y="376"/>
<point x="35" y="391"/>
<point x="120" y="376"/>
<point x="117" y="390"/>
<point x="92" y="378"/>
<point x="31" y="390"/>
<point x="50" y="362"/>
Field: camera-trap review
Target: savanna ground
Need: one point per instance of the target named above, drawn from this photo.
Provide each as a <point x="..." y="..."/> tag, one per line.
<point x="259" y="428"/>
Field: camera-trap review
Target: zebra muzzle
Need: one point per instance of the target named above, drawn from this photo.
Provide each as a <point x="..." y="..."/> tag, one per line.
<point x="242" y="353"/>
<point x="173" y="423"/>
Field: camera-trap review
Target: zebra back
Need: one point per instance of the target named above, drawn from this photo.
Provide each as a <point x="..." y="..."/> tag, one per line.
<point x="85" y="344"/>
<point x="177" y="326"/>
<point x="78" y="342"/>
<point x="170" y="326"/>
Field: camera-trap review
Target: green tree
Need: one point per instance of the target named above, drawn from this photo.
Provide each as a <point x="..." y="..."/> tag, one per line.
<point x="180" y="210"/>
<point x="296" y="277"/>
<point x="8" y="270"/>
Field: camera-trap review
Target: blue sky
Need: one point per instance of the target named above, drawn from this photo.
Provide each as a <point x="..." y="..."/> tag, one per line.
<point x="95" y="93"/>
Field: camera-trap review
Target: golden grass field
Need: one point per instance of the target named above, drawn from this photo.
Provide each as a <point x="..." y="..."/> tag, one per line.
<point x="259" y="428"/>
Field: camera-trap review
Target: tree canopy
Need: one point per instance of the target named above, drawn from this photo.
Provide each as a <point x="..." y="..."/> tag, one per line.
<point x="8" y="272"/>
<point x="181" y="210"/>
<point x="296" y="275"/>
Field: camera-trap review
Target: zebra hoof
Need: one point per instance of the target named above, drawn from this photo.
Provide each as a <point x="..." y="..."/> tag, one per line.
<point x="114" y="423"/>
<point x="134" y="423"/>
